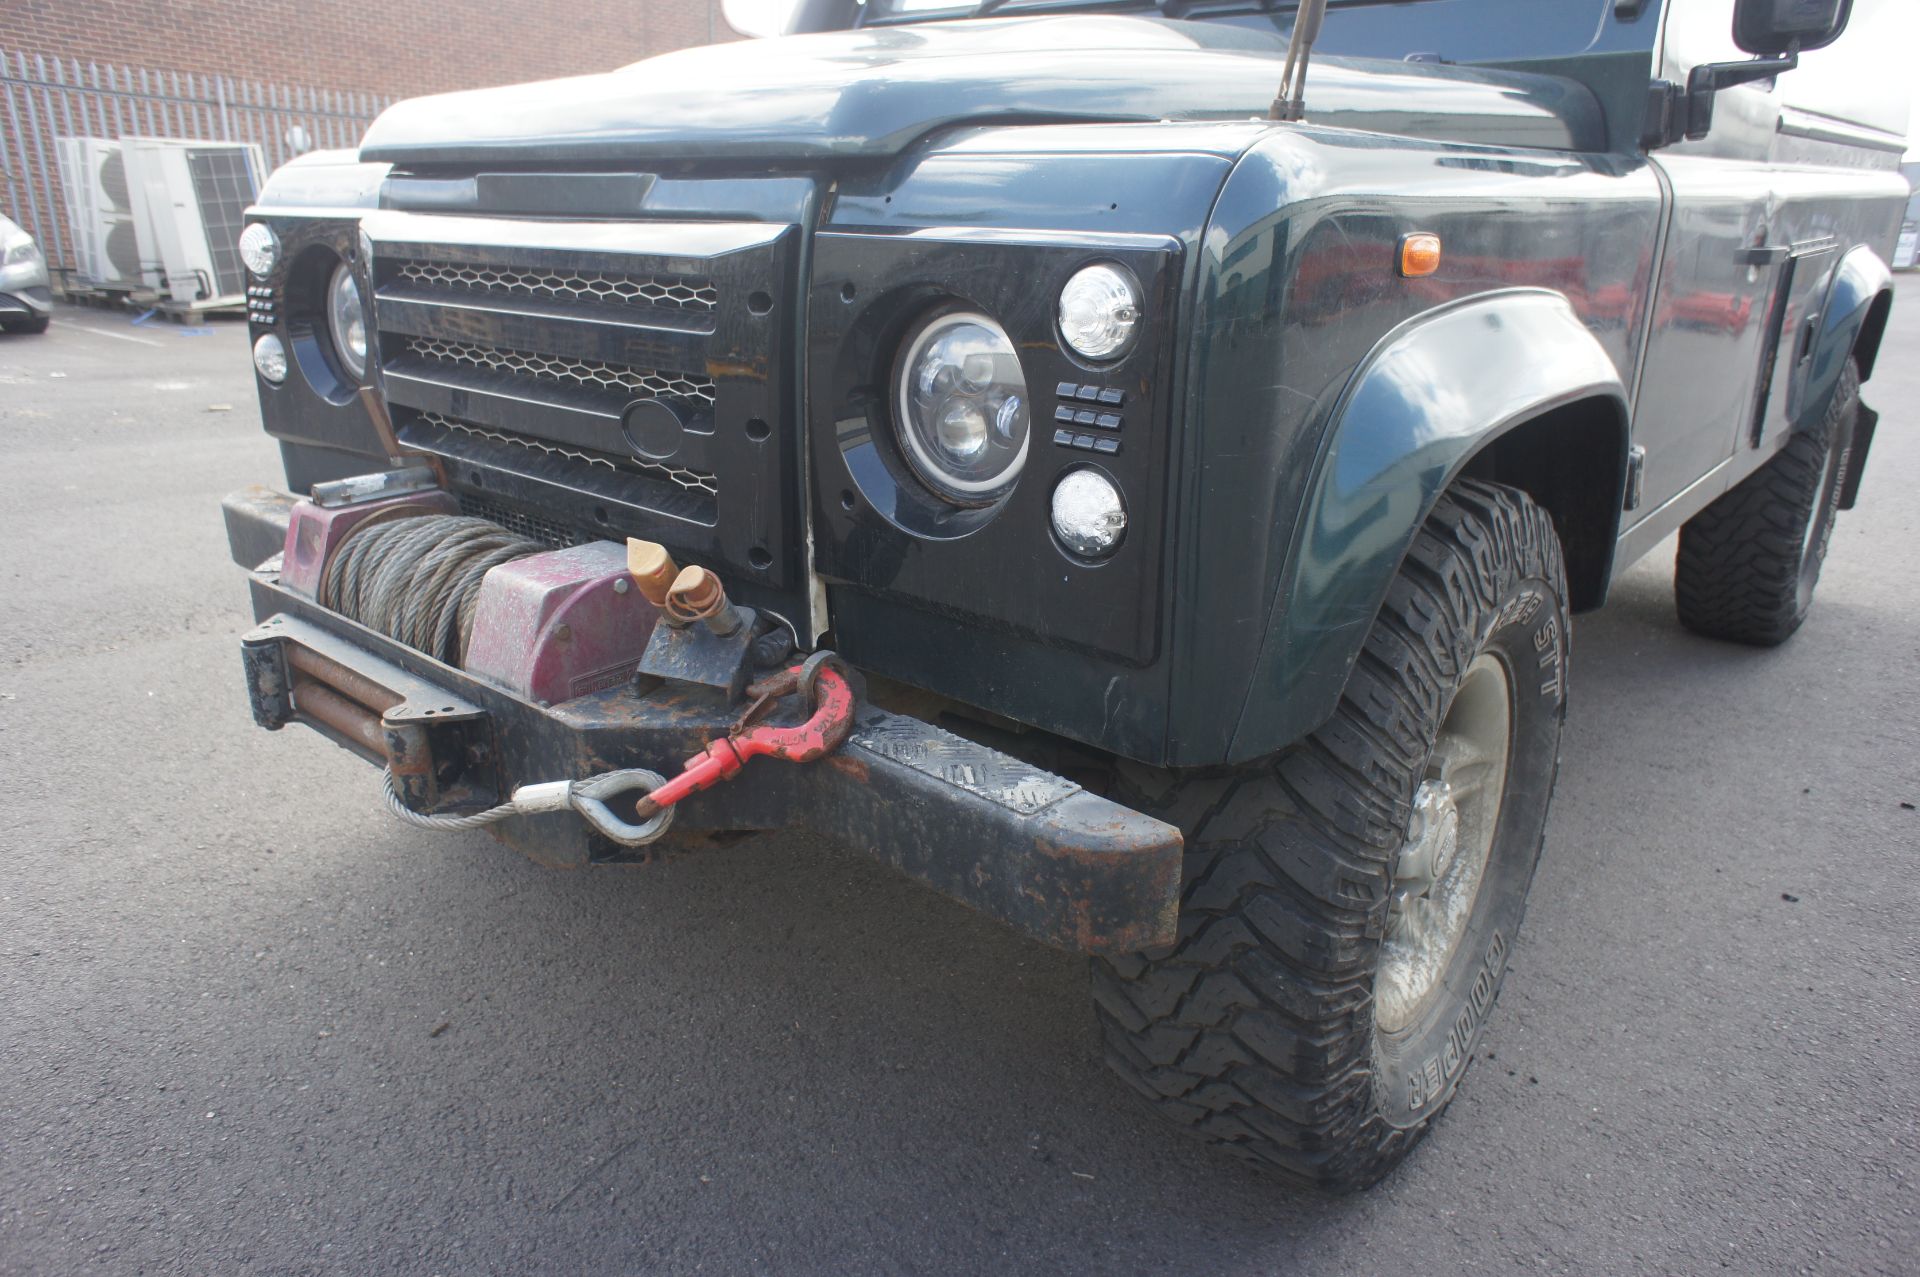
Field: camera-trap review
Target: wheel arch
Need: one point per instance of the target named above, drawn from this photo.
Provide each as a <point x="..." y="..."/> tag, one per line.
<point x="1554" y="457"/>
<point x="1852" y="322"/>
<point x="1507" y="385"/>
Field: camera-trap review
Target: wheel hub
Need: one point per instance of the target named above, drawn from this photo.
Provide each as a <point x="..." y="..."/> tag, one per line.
<point x="1438" y="872"/>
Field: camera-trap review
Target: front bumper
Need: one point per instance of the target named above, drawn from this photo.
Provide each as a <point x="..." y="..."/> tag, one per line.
<point x="26" y="303"/>
<point x="1035" y="850"/>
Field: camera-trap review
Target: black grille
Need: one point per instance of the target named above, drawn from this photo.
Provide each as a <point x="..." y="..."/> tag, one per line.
<point x="628" y="378"/>
<point x="531" y="526"/>
<point x="678" y="292"/>
<point x="691" y="480"/>
<point x="690" y="387"/>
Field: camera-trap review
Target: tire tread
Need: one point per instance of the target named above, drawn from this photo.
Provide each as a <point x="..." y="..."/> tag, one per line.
<point x="1738" y="569"/>
<point x="1254" y="1030"/>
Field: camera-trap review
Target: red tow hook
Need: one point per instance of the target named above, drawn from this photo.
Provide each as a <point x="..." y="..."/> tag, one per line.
<point x="831" y="695"/>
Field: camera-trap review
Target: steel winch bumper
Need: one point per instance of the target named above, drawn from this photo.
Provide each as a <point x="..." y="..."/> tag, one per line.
<point x="1039" y="852"/>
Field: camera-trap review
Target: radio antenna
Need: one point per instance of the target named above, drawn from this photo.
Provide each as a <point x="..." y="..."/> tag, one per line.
<point x="1291" y="104"/>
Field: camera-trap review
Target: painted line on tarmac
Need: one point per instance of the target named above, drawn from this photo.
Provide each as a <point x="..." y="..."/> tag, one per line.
<point x="99" y="332"/>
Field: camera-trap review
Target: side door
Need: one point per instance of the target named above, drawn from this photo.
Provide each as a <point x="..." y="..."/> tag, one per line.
<point x="1721" y="266"/>
<point x="1708" y="329"/>
<point x="1760" y="211"/>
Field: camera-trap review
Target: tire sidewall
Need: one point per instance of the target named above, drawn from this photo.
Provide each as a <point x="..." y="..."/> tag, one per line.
<point x="1417" y="1069"/>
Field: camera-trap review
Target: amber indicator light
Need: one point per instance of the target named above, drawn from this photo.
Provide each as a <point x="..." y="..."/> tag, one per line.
<point x="1419" y="254"/>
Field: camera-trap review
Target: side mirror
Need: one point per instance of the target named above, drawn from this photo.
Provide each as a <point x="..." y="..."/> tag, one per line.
<point x="1770" y="28"/>
<point x="760" y="17"/>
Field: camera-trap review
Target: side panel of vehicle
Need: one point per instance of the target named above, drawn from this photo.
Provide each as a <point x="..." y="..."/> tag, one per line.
<point x="1298" y="285"/>
<point x="1781" y="215"/>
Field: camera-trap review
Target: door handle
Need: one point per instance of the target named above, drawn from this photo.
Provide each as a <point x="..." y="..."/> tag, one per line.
<point x="1763" y="255"/>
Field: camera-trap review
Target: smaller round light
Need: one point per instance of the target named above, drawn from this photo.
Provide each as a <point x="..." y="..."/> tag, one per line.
<point x="270" y="358"/>
<point x="347" y="320"/>
<point x="1100" y="311"/>
<point x="260" y="248"/>
<point x="1089" y="516"/>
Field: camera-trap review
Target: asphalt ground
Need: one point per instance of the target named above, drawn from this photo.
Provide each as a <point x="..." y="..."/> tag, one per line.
<point x="249" y="1024"/>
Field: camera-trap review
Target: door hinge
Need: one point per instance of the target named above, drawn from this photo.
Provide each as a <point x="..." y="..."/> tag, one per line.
<point x="1676" y="111"/>
<point x="1666" y="121"/>
<point x="1636" y="476"/>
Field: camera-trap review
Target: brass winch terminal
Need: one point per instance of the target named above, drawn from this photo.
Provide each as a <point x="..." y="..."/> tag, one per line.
<point x="697" y="595"/>
<point x="652" y="569"/>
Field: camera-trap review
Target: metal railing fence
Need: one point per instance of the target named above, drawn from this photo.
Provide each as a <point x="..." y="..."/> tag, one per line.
<point x="48" y="98"/>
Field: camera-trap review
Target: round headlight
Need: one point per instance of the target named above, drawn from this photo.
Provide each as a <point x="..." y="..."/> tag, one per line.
<point x="1088" y="515"/>
<point x="1100" y="311"/>
<point x="962" y="407"/>
<point x="270" y="358"/>
<point x="347" y="321"/>
<point x="259" y="248"/>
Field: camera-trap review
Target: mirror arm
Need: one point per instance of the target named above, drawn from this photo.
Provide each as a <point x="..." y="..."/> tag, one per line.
<point x="1704" y="81"/>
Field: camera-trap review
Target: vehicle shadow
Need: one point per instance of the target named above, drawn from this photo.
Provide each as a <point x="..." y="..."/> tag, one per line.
<point x="781" y="1055"/>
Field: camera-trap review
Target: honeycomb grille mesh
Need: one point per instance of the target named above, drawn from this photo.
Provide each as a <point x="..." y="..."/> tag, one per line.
<point x="533" y="527"/>
<point x="673" y="292"/>
<point x="580" y="372"/>
<point x="691" y="480"/>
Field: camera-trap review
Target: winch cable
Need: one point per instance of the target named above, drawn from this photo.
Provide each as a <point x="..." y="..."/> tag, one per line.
<point x="587" y="797"/>
<point x="418" y="580"/>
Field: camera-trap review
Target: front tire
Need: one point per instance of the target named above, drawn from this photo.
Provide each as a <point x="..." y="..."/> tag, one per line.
<point x="1748" y="563"/>
<point x="1298" y="1021"/>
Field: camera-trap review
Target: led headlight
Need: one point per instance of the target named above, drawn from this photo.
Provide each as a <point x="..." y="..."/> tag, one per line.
<point x="347" y="321"/>
<point x="259" y="248"/>
<point x="1089" y="515"/>
<point x="270" y="358"/>
<point x="962" y="407"/>
<point x="1100" y="311"/>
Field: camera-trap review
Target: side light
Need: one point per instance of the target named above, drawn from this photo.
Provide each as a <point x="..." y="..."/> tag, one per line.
<point x="1419" y="254"/>
<point x="259" y="248"/>
<point x="1089" y="515"/>
<point x="1100" y="311"/>
<point x="270" y="358"/>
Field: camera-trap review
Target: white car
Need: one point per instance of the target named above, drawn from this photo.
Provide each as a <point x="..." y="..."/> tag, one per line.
<point x="26" y="299"/>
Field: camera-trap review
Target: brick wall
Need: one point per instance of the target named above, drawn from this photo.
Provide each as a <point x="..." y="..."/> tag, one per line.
<point x="395" y="48"/>
<point x="246" y="70"/>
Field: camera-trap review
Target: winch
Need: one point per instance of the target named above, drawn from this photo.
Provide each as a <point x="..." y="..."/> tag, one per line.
<point x="578" y="702"/>
<point x="390" y="552"/>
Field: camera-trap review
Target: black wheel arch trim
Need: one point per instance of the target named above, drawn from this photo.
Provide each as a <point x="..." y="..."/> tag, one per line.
<point x="1433" y="395"/>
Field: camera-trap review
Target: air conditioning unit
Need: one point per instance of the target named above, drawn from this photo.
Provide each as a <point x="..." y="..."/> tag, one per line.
<point x="187" y="200"/>
<point x="93" y="173"/>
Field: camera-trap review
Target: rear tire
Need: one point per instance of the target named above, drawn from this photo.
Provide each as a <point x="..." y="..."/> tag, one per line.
<point x="38" y="324"/>
<point x="1283" y="1025"/>
<point x="1749" y="562"/>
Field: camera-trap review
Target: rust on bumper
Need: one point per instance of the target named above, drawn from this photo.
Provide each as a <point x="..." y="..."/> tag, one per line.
<point x="1035" y="850"/>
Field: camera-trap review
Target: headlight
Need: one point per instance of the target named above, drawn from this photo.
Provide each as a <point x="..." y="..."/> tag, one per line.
<point x="270" y="358"/>
<point x="347" y="321"/>
<point x="962" y="407"/>
<point x="20" y="249"/>
<point x="1089" y="516"/>
<point x="1100" y="311"/>
<point x="259" y="248"/>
